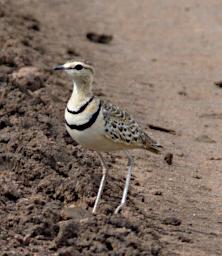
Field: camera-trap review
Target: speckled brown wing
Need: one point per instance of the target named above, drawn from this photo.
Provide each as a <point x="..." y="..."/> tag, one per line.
<point x="122" y="128"/>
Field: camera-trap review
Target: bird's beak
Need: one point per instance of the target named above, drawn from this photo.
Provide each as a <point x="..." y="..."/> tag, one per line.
<point x="60" y="67"/>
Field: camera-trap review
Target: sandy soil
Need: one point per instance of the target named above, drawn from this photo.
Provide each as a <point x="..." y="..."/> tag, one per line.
<point x="161" y="66"/>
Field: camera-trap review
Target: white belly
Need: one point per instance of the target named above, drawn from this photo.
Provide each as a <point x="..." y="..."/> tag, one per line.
<point x="92" y="137"/>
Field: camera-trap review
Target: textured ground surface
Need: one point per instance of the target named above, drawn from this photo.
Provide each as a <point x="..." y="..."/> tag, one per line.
<point x="160" y="65"/>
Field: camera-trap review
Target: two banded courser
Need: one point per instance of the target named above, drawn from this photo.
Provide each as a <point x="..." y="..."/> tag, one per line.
<point x="101" y="126"/>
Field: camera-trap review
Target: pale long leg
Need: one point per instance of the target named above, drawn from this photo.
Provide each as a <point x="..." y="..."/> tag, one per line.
<point x="102" y="182"/>
<point x="125" y="191"/>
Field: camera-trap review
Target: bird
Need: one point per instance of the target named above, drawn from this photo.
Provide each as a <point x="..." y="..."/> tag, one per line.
<point x="101" y="126"/>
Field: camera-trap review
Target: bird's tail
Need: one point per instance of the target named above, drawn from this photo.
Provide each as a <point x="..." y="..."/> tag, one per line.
<point x="152" y="145"/>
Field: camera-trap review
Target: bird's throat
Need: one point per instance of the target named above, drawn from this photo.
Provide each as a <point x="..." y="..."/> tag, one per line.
<point x="82" y="91"/>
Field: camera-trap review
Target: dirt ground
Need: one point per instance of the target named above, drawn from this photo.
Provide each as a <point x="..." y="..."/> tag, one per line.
<point x="161" y="66"/>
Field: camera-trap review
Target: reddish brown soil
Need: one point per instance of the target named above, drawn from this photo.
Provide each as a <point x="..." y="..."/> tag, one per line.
<point x="160" y="65"/>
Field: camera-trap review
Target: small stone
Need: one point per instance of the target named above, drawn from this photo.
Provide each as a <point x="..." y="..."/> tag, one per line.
<point x="184" y="239"/>
<point x="182" y="93"/>
<point x="174" y="221"/>
<point x="4" y="138"/>
<point x="168" y="158"/>
<point x="196" y="176"/>
<point x="155" y="249"/>
<point x="158" y="193"/>
<point x="205" y="139"/>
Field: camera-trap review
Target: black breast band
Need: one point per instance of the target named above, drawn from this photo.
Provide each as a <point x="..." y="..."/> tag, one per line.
<point x="86" y="125"/>
<point x="82" y="108"/>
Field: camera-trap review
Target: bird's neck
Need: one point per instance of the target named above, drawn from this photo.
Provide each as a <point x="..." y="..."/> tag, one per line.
<point x="82" y="91"/>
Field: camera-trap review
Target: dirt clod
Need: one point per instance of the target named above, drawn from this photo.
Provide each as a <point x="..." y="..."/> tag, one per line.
<point x="28" y="78"/>
<point x="101" y="39"/>
<point x="68" y="231"/>
<point x="218" y="84"/>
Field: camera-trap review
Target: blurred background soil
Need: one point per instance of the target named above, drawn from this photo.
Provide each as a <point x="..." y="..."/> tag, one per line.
<point x="158" y="60"/>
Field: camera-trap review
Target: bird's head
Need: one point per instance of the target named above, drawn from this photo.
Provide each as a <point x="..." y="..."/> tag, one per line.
<point x="78" y="71"/>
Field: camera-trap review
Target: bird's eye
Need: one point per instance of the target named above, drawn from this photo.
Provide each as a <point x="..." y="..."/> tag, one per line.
<point x="78" y="67"/>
